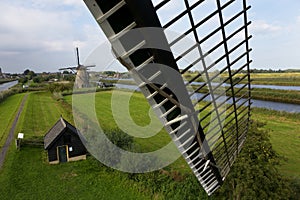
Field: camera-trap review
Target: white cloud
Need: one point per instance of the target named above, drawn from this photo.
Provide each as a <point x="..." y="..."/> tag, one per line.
<point x="32" y="29"/>
<point x="298" y="19"/>
<point x="44" y="32"/>
<point x="261" y="27"/>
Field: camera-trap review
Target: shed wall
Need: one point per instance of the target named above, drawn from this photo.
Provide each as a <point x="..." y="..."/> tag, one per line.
<point x="71" y="140"/>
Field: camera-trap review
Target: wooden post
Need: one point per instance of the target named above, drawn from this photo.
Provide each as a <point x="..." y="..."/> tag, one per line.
<point x="18" y="144"/>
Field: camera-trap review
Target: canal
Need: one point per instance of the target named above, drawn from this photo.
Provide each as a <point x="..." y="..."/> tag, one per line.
<point x="292" y="108"/>
<point x="6" y="86"/>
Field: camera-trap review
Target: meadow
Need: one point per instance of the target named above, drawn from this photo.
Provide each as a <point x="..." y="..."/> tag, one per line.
<point x="8" y="111"/>
<point x="284" y="96"/>
<point x="27" y="174"/>
<point x="283" y="128"/>
<point x="283" y="78"/>
<point x="285" y="137"/>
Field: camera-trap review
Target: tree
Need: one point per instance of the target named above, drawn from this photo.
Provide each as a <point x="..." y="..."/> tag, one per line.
<point x="23" y="80"/>
<point x="254" y="174"/>
<point x="31" y="74"/>
<point x="26" y="72"/>
<point x="38" y="79"/>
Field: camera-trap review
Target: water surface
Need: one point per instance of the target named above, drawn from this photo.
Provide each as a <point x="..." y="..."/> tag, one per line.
<point x="292" y="108"/>
<point x="6" y="86"/>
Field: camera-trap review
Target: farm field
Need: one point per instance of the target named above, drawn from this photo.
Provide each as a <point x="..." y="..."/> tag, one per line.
<point x="26" y="173"/>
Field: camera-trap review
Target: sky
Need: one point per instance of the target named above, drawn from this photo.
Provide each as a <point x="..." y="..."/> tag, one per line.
<point x="41" y="35"/>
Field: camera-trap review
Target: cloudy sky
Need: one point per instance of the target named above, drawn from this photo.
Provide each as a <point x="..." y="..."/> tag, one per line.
<point x="42" y="34"/>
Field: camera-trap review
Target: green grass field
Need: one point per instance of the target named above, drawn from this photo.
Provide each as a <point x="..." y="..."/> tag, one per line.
<point x="26" y="173"/>
<point x="28" y="176"/>
<point x="137" y="106"/>
<point x="284" y="136"/>
<point x="285" y="79"/>
<point x="283" y="128"/>
<point x="40" y="113"/>
<point x="284" y="96"/>
<point x="8" y="110"/>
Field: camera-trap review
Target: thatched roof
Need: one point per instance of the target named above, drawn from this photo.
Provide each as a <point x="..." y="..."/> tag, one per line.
<point x="60" y="126"/>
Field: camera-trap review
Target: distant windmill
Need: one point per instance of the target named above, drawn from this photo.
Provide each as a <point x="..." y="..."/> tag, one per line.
<point x="82" y="77"/>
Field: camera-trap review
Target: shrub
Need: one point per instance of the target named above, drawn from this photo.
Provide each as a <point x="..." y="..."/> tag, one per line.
<point x="5" y="94"/>
<point x="254" y="174"/>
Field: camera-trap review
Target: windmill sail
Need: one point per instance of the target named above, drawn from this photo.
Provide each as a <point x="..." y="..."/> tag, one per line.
<point x="208" y="136"/>
<point x="82" y="77"/>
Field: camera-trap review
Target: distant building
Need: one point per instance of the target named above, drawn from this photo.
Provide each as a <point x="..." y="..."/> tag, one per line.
<point x="117" y="75"/>
<point x="104" y="85"/>
<point x="63" y="143"/>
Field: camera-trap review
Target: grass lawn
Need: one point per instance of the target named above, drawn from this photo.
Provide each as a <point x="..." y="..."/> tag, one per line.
<point x="8" y="110"/>
<point x="283" y="129"/>
<point x="27" y="175"/>
<point x="284" y="136"/>
<point x="40" y="113"/>
<point x="138" y="106"/>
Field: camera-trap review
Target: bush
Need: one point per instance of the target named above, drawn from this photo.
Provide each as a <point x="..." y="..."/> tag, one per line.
<point x="38" y="79"/>
<point x="120" y="138"/>
<point x="60" y="87"/>
<point x="23" y="80"/>
<point x="5" y="94"/>
<point x="254" y="175"/>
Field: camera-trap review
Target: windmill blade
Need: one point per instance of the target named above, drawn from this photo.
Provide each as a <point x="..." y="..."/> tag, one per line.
<point x="82" y="67"/>
<point x="77" y="56"/>
<point x="68" y="68"/>
<point x="89" y="66"/>
<point x="218" y="29"/>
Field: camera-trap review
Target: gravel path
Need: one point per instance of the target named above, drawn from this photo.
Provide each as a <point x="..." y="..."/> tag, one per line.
<point x="11" y="132"/>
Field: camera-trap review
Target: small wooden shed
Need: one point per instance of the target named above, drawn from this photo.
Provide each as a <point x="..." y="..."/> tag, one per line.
<point x="63" y="143"/>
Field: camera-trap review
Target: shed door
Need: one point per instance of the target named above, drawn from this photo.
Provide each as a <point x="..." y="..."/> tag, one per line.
<point x="62" y="154"/>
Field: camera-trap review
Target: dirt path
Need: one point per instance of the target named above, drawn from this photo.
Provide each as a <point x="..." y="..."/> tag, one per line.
<point x="11" y="132"/>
